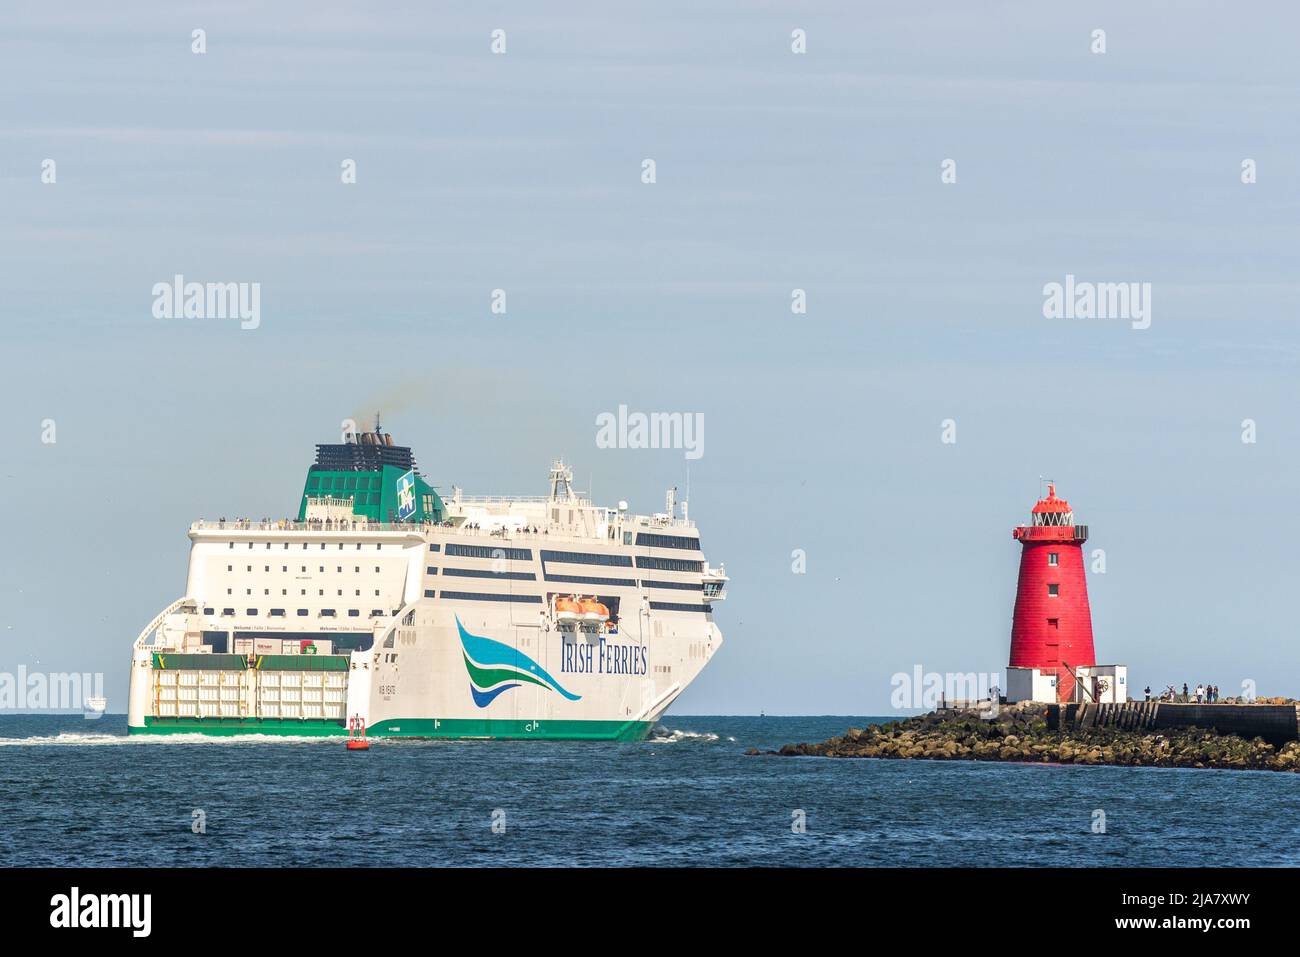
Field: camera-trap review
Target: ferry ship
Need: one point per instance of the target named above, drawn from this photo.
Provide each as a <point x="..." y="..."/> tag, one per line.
<point x="385" y="606"/>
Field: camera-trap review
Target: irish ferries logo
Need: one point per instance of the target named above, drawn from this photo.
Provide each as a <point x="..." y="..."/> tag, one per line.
<point x="495" y="668"/>
<point x="406" y="496"/>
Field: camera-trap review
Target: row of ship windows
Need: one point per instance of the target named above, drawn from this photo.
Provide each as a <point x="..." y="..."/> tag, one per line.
<point x="284" y="568"/>
<point x="625" y="561"/>
<point x="569" y="579"/>
<point x="575" y="558"/>
<point x="509" y="576"/>
<point x="590" y="580"/>
<point x="587" y="558"/>
<point x="478" y="596"/>
<point x="667" y="541"/>
<point x="451" y="595"/>
<point x="301" y="591"/>
<point x="484" y="573"/>
<point x="487" y="551"/>
<point x="302" y="612"/>
<point x="378" y="546"/>
<point x="537" y="600"/>
<point x="677" y="606"/>
<point x="670" y="564"/>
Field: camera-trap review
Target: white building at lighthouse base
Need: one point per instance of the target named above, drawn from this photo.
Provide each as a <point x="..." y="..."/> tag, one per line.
<point x="1100" y="684"/>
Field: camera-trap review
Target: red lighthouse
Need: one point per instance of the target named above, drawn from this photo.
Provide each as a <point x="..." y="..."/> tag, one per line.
<point x="1051" y="626"/>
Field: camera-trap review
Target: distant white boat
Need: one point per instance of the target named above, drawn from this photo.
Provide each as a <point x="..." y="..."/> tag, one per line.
<point x="95" y="706"/>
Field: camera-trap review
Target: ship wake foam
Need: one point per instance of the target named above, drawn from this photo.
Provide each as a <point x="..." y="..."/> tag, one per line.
<point x="662" y="735"/>
<point x="81" y="740"/>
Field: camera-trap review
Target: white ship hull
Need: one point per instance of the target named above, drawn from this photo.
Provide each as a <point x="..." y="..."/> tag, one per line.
<point x="435" y="630"/>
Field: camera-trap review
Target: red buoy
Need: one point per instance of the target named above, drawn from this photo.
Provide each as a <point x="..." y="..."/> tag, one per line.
<point x="357" y="734"/>
<point x="1052" y="622"/>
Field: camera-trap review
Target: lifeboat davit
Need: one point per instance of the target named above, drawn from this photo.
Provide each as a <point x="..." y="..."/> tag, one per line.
<point x="568" y="609"/>
<point x="593" y="611"/>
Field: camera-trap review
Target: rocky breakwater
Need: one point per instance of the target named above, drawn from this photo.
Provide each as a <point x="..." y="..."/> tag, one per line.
<point x="1021" y="734"/>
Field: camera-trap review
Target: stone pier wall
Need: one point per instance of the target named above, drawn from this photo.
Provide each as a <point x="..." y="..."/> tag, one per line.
<point x="1275" y="723"/>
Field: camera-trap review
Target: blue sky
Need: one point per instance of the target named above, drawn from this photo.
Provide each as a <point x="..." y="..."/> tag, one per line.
<point x="774" y="172"/>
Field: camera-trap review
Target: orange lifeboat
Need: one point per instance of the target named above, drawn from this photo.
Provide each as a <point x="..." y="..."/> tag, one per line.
<point x="593" y="610"/>
<point x="568" y="609"/>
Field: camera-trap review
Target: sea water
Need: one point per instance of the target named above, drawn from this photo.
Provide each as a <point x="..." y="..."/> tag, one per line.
<point x="81" y="793"/>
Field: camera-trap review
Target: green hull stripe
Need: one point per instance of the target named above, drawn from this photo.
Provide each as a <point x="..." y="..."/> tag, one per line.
<point x="498" y="728"/>
<point x="407" y="728"/>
